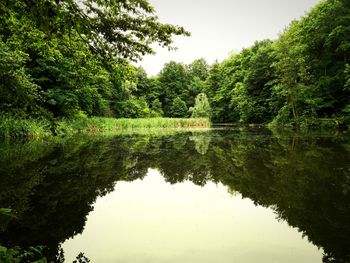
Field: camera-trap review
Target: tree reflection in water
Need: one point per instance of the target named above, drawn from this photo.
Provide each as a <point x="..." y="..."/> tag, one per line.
<point x="52" y="186"/>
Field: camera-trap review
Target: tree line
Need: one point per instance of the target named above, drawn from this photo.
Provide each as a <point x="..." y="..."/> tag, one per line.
<point x="61" y="59"/>
<point x="300" y="79"/>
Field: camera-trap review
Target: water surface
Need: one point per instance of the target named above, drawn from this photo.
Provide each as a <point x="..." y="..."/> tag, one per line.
<point x="233" y="195"/>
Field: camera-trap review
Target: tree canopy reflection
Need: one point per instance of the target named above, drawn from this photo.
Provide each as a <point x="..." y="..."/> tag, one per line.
<point x="52" y="186"/>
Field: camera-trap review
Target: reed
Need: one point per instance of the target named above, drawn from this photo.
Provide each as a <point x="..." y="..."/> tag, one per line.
<point x="13" y="128"/>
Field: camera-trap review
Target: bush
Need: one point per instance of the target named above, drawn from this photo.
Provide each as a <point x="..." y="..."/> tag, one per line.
<point x="201" y="107"/>
<point x="179" y="108"/>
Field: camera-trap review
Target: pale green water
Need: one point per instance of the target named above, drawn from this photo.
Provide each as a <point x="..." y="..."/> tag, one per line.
<point x="233" y="195"/>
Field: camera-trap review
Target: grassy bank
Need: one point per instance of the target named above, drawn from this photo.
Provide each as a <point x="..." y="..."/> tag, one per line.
<point x="12" y="128"/>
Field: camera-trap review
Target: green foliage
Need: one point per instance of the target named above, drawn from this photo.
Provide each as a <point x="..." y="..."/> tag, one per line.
<point x="14" y="127"/>
<point x="7" y="212"/>
<point x="292" y="69"/>
<point x="178" y="108"/>
<point x="298" y="80"/>
<point x="195" y="87"/>
<point x="201" y="108"/>
<point x="111" y="29"/>
<point x="259" y="80"/>
<point x="156" y="109"/>
<point x="18" y="93"/>
<point x="198" y="69"/>
<point x="240" y="88"/>
<point x="242" y="103"/>
<point x="312" y="57"/>
<point x="17" y="255"/>
<point x="144" y="87"/>
<point x="231" y="73"/>
<point x="135" y="108"/>
<point x="183" y="81"/>
<point x="173" y="80"/>
<point x="60" y="58"/>
<point x="213" y="83"/>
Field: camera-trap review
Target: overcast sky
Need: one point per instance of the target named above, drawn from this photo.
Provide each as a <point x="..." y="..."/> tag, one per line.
<point x="221" y="27"/>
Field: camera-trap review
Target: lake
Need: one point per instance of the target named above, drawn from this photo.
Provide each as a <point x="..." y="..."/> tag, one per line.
<point x="222" y="195"/>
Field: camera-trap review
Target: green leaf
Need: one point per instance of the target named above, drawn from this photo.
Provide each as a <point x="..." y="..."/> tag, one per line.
<point x="7" y="212"/>
<point x="3" y="250"/>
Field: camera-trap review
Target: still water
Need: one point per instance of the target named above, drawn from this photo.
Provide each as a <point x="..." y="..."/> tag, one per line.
<point x="232" y="195"/>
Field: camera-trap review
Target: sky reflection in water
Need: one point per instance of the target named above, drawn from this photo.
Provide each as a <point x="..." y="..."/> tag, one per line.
<point x="150" y="220"/>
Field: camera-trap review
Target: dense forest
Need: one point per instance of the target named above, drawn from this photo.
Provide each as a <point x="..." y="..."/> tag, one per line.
<point x="61" y="59"/>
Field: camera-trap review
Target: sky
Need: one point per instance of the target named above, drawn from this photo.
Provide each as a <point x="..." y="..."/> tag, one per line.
<point x="220" y="27"/>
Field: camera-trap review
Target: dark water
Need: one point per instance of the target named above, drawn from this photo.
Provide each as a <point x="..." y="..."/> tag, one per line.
<point x="219" y="196"/>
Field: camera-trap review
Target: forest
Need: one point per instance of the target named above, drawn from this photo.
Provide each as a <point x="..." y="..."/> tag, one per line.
<point x="64" y="60"/>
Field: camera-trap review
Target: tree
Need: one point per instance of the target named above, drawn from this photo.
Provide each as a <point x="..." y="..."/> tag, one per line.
<point x="222" y="84"/>
<point x="72" y="56"/>
<point x="156" y="108"/>
<point x="292" y="69"/>
<point x="201" y="108"/>
<point x="18" y="93"/>
<point x="111" y="28"/>
<point x="212" y="85"/>
<point x="135" y="108"/>
<point x="301" y="77"/>
<point x="173" y="80"/>
<point x="311" y="64"/>
<point x="242" y="103"/>
<point x="142" y="86"/>
<point x="198" y="68"/>
<point x="260" y="77"/>
<point x="195" y="87"/>
<point x="178" y="108"/>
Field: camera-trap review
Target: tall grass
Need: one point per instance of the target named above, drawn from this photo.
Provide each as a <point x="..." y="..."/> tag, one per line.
<point x="101" y="125"/>
<point x="11" y="127"/>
